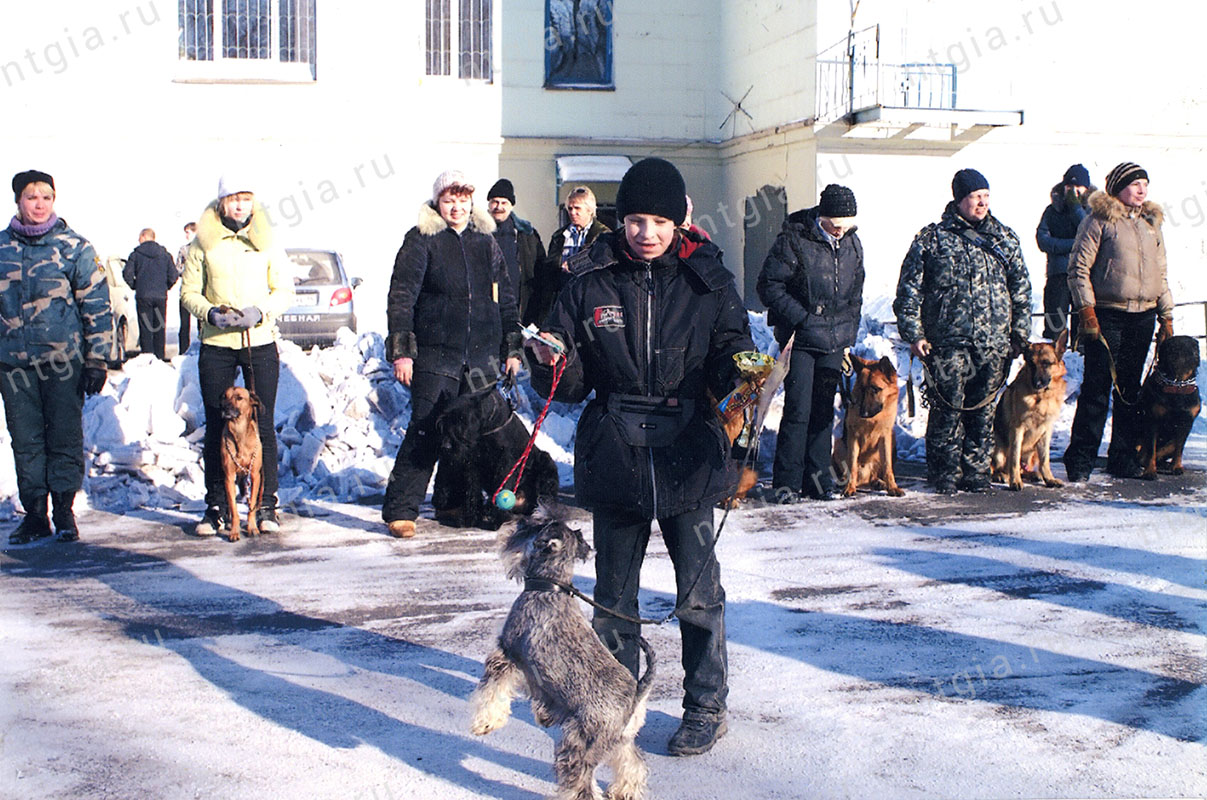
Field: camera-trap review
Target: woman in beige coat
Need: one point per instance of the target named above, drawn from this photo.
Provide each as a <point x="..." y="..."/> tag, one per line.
<point x="1118" y="285"/>
<point x="236" y="282"/>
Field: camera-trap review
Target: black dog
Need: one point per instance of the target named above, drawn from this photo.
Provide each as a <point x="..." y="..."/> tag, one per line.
<point x="481" y="439"/>
<point x="1169" y="402"/>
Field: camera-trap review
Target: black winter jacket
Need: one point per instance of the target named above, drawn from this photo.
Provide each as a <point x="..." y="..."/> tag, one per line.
<point x="451" y="305"/>
<point x="656" y="338"/>
<point x="522" y="250"/>
<point x="150" y="271"/>
<point x="550" y="277"/>
<point x="813" y="288"/>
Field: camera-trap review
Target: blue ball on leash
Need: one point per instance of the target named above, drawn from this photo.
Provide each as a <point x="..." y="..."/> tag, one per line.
<point x="505" y="500"/>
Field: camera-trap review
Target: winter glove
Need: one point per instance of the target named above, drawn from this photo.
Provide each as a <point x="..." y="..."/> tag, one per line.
<point x="250" y="318"/>
<point x="94" y="380"/>
<point x="1089" y="331"/>
<point x="224" y="316"/>
<point x="1164" y="330"/>
<point x="1018" y="346"/>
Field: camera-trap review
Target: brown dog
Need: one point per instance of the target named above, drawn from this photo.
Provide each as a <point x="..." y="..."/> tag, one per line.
<point x="1027" y="413"/>
<point x="864" y="455"/>
<point x="1169" y="401"/>
<point x="241" y="456"/>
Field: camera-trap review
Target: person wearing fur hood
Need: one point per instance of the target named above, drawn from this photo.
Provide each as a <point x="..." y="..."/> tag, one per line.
<point x="453" y="328"/>
<point x="1118" y="283"/>
<point x="236" y="281"/>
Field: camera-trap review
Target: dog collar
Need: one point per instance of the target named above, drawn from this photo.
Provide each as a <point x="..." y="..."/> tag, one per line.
<point x="544" y="585"/>
<point x="1170" y="386"/>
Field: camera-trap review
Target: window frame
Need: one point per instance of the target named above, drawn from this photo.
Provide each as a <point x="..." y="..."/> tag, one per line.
<point x="221" y="68"/>
<point x="455" y="58"/>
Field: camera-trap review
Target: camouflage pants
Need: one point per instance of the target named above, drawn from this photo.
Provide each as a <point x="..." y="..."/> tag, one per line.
<point x="959" y="443"/>
<point x="43" y="406"/>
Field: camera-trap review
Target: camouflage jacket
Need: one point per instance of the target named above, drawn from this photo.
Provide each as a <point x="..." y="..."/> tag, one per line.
<point x="54" y="301"/>
<point x="954" y="292"/>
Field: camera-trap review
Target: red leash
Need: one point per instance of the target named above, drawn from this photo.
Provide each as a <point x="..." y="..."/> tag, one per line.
<point x="518" y="468"/>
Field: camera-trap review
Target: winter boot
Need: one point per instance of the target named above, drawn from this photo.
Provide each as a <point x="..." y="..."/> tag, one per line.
<point x="697" y="734"/>
<point x="64" y="519"/>
<point x="35" y="525"/>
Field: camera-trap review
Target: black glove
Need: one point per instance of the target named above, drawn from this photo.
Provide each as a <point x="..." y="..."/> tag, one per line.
<point x="1018" y="346"/>
<point x="224" y="316"/>
<point x="94" y="380"/>
<point x="251" y="317"/>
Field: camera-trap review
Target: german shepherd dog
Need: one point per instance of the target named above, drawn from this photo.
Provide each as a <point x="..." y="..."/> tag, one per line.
<point x="1169" y="402"/>
<point x="242" y="456"/>
<point x="1027" y="413"/>
<point x="864" y="455"/>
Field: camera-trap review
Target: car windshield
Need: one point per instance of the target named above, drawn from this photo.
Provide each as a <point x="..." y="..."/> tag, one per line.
<point x="313" y="267"/>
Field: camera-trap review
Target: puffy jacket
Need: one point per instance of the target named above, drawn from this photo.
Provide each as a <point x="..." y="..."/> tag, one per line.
<point x="955" y="293"/>
<point x="1056" y="231"/>
<point x="236" y="269"/>
<point x="451" y="305"/>
<point x="1118" y="258"/>
<point x="657" y="338"/>
<point x="812" y="287"/>
<point x="522" y="250"/>
<point x="150" y="271"/>
<point x="54" y="300"/>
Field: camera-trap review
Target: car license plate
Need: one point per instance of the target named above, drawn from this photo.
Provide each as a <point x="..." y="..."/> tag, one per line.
<point x="307" y="299"/>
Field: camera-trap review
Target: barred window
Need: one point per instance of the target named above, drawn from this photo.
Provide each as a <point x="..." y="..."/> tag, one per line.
<point x="462" y="27"/>
<point x="234" y="32"/>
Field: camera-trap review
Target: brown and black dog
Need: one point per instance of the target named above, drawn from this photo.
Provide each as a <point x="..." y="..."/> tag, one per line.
<point x="864" y="455"/>
<point x="1169" y="401"/>
<point x="1026" y="415"/>
<point x="242" y="456"/>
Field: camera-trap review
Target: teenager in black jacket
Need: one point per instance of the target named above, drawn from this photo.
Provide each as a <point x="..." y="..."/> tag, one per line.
<point x="650" y="320"/>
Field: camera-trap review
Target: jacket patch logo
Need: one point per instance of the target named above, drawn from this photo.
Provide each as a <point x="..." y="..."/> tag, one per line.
<point x="610" y="317"/>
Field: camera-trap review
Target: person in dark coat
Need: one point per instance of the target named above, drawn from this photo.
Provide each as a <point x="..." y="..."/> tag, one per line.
<point x="812" y="284"/>
<point x="452" y="319"/>
<point x="151" y="272"/>
<point x="650" y="322"/>
<point x="552" y="271"/>
<point x="1054" y="235"/>
<point x="964" y="305"/>
<point x="519" y="241"/>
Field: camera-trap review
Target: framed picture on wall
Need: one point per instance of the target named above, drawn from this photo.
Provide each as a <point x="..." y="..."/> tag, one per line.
<point x="578" y="44"/>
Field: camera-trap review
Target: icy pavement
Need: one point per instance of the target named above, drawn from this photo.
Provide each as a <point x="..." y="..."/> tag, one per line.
<point x="1049" y="643"/>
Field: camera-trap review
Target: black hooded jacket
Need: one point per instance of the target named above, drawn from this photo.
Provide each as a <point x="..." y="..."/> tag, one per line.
<point x="651" y="340"/>
<point x="150" y="271"/>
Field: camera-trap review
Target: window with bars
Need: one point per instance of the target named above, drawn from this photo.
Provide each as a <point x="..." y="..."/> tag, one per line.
<point x="461" y="27"/>
<point x="237" y="34"/>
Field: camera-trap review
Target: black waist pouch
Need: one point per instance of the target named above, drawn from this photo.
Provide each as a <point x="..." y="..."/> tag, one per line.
<point x="650" y="421"/>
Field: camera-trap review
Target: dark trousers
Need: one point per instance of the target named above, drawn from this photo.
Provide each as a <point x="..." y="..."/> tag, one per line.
<point x="43" y="407"/>
<point x="430" y="394"/>
<point x="152" y="323"/>
<point x="959" y="443"/>
<point x="1128" y="335"/>
<point x="216" y="368"/>
<point x="1056" y="306"/>
<point x="187" y="321"/>
<point x="621" y="538"/>
<point x="806" y="436"/>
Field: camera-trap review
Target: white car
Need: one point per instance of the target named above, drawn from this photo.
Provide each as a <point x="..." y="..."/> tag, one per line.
<point x="125" y="317"/>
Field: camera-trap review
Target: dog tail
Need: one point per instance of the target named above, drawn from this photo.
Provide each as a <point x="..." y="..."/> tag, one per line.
<point x="646" y="681"/>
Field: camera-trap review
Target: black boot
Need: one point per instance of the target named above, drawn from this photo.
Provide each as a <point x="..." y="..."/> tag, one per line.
<point x="64" y="518"/>
<point x="35" y="525"/>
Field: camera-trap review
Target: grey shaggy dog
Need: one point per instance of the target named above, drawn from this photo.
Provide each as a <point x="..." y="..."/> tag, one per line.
<point x="548" y="648"/>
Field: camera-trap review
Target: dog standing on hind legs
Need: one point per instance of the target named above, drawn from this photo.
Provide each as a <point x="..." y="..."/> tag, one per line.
<point x="1026" y="415"/>
<point x="242" y="456"/>
<point x="548" y="648"/>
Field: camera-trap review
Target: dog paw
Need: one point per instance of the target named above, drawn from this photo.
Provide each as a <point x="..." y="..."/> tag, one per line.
<point x="896" y="491"/>
<point x="1177" y="471"/>
<point x="849" y="491"/>
<point x="1149" y="476"/>
<point x="1053" y="483"/>
<point x="233" y="536"/>
<point x="481" y="727"/>
<point x="1015" y="486"/>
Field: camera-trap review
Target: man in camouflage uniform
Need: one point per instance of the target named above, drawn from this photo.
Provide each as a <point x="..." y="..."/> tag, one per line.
<point x="55" y="339"/>
<point x="964" y="305"/>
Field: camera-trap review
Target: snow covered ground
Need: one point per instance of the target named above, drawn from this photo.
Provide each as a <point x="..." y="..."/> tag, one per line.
<point x="1048" y="643"/>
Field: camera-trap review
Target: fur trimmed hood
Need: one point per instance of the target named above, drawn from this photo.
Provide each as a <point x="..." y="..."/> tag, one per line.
<point x="1110" y="209"/>
<point x="258" y="231"/>
<point x="430" y="222"/>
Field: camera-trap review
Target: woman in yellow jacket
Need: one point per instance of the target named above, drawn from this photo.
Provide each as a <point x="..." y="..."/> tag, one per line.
<point x="236" y="281"/>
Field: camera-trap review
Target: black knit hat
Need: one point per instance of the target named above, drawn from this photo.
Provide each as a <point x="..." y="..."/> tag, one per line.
<point x="967" y="181"/>
<point x="836" y="201"/>
<point x="1077" y="175"/>
<point x="504" y="189"/>
<point x="1122" y="176"/>
<point x="23" y="179"/>
<point x="652" y="186"/>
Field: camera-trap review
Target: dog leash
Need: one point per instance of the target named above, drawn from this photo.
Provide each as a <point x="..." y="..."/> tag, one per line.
<point x="933" y="389"/>
<point x="1110" y="363"/>
<point x="517" y="469"/>
<point x="249" y="373"/>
